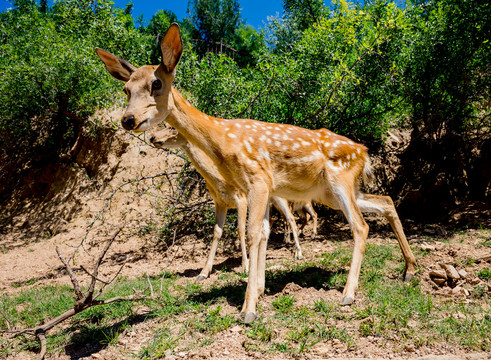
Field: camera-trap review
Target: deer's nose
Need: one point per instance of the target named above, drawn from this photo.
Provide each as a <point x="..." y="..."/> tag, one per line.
<point x="152" y="139"/>
<point x="128" y="122"/>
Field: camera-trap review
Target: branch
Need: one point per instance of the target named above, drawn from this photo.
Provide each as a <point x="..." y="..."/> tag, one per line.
<point x="83" y="300"/>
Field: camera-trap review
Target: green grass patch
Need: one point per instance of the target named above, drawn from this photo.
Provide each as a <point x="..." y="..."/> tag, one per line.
<point x="190" y="315"/>
<point x="484" y="274"/>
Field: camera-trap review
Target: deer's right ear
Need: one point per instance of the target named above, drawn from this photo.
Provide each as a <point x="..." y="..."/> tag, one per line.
<point x="117" y="67"/>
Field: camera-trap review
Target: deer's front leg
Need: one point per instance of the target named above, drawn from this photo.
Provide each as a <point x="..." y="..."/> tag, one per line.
<point x="220" y="214"/>
<point x="241" y="224"/>
<point x="257" y="203"/>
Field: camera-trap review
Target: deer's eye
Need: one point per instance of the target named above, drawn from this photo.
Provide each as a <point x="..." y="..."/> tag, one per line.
<point x="156" y="85"/>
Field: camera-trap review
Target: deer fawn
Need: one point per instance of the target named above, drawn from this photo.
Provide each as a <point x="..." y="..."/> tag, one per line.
<point x="224" y="195"/>
<point x="262" y="160"/>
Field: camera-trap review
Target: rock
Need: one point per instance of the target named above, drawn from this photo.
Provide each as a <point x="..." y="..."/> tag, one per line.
<point x="439" y="281"/>
<point x="463" y="274"/>
<point x="427" y="247"/>
<point x="321" y="349"/>
<point x="452" y="273"/>
<point x="236" y="329"/>
<point x="460" y="291"/>
<point x="409" y="347"/>
<point x="438" y="274"/>
<point x="412" y="324"/>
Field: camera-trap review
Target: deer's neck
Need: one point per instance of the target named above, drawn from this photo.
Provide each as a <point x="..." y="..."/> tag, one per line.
<point x="198" y="128"/>
<point x="204" y="165"/>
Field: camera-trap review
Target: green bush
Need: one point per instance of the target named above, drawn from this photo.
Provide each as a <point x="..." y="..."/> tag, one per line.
<point x="52" y="81"/>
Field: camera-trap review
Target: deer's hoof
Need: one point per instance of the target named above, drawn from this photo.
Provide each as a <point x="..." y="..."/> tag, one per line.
<point x="408" y="276"/>
<point x="347" y="300"/>
<point x="249" y="317"/>
<point x="201" y="277"/>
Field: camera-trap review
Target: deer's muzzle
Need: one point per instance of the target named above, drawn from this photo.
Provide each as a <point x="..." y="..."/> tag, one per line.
<point x="128" y="122"/>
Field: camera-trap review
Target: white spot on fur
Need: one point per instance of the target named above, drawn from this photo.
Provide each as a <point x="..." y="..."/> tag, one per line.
<point x="264" y="154"/>
<point x="316" y="154"/>
<point x="231" y="135"/>
<point x="305" y="143"/>
<point x="248" y="147"/>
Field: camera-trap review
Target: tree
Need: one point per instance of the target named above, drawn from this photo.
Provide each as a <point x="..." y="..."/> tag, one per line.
<point x="157" y="27"/>
<point x="305" y="12"/>
<point x="446" y="75"/>
<point x="215" y="20"/>
<point x="52" y="80"/>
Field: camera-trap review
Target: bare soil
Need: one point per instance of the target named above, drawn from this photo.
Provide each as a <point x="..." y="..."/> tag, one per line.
<point x="61" y="218"/>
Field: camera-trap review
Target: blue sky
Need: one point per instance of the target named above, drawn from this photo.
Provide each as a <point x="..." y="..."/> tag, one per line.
<point x="255" y="12"/>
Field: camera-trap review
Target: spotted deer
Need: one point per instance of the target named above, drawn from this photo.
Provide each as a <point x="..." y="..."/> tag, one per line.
<point x="263" y="160"/>
<point x="305" y="209"/>
<point x="224" y="195"/>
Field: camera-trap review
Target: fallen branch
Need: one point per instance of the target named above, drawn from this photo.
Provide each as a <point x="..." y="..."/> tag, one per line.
<point x="83" y="300"/>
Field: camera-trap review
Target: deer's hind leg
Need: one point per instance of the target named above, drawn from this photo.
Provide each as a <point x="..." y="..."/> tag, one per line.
<point x="241" y="225"/>
<point x="309" y="209"/>
<point x="343" y="197"/>
<point x="282" y="205"/>
<point x="384" y="205"/>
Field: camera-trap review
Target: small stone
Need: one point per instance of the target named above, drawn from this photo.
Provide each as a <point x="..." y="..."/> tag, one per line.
<point x="412" y="324"/>
<point x="451" y="271"/>
<point x="459" y="315"/>
<point x="427" y="247"/>
<point x="409" y="347"/>
<point x="460" y="291"/>
<point x="236" y="329"/>
<point x="439" y="281"/>
<point x="463" y="274"/>
<point x="438" y="274"/>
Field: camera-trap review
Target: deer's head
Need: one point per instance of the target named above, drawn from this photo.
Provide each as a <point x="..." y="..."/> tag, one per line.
<point x="148" y="87"/>
<point x="168" y="138"/>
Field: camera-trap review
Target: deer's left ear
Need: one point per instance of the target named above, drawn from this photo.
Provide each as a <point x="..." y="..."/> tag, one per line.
<point x="171" y="47"/>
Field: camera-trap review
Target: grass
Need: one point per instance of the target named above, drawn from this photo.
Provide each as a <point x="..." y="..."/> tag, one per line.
<point x="189" y="316"/>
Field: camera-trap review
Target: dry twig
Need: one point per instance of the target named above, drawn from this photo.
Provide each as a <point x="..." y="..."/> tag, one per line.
<point x="83" y="300"/>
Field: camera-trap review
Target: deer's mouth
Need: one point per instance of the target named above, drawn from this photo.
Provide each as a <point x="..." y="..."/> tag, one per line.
<point x="144" y="125"/>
